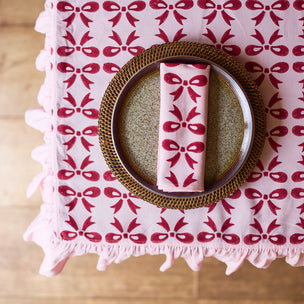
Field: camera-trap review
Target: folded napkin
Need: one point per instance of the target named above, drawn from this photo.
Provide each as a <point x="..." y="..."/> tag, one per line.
<point x="182" y="131"/>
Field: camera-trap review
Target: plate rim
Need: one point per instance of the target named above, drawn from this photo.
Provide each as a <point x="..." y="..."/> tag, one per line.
<point x="151" y="57"/>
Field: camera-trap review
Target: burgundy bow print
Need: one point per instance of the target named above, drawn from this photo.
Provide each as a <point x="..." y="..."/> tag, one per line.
<point x="65" y="112"/>
<point x="165" y="209"/>
<point x="227" y="207"/>
<point x="171" y="145"/>
<point x="298" y="50"/>
<point x="91" y="192"/>
<point x="280" y="50"/>
<point x="230" y="49"/>
<point x="278" y="194"/>
<point x="298" y="176"/>
<point x="280" y="5"/>
<point x="277" y="239"/>
<point x="111" y="192"/>
<point x="299" y="5"/>
<point x="68" y="50"/>
<point x="183" y="237"/>
<point x="280" y="67"/>
<point x="91" y="68"/>
<point x="276" y="176"/>
<point x="108" y="176"/>
<point x="136" y="6"/>
<point x="88" y="131"/>
<point x="110" y="51"/>
<point x="298" y="113"/>
<point x="299" y="68"/>
<point x="177" y="37"/>
<point x="229" y="238"/>
<point x="228" y="5"/>
<point x="89" y="7"/>
<point x="137" y="238"/>
<point x="174" y="79"/>
<point x="188" y="180"/>
<point x="298" y="130"/>
<point x="297" y="193"/>
<point x="65" y="174"/>
<point x="173" y="126"/>
<point x="279" y="131"/>
<point x="298" y="238"/>
<point x="111" y="68"/>
<point x="278" y="113"/>
<point x="162" y="5"/>
<point x="71" y="235"/>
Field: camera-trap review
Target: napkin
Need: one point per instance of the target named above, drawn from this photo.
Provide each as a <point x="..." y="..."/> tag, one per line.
<point x="182" y="127"/>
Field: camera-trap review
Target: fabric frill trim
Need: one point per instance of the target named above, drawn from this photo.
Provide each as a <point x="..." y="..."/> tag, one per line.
<point x="42" y="230"/>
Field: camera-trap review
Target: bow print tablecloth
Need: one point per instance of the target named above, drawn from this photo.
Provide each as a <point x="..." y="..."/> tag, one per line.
<point x="85" y="209"/>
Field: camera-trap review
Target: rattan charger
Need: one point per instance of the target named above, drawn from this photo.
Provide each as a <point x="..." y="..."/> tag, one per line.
<point x="157" y="54"/>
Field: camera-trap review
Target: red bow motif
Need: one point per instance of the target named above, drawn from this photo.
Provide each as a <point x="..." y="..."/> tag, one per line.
<point x="68" y="50"/>
<point x="278" y="113"/>
<point x="183" y="237"/>
<point x="136" y="6"/>
<point x="298" y="193"/>
<point x="111" y="192"/>
<point x="65" y="112"/>
<point x="89" y="7"/>
<point x="299" y="5"/>
<point x="298" y="238"/>
<point x="171" y="145"/>
<point x="229" y="238"/>
<point x="227" y="207"/>
<point x="110" y="51"/>
<point x="71" y="235"/>
<point x="230" y="49"/>
<point x="91" y="192"/>
<point x="280" y="5"/>
<point x="298" y="50"/>
<point x="298" y="113"/>
<point x="299" y="68"/>
<point x="177" y="37"/>
<point x="173" y="126"/>
<point x="137" y="238"/>
<point x="280" y="67"/>
<point x="91" y="68"/>
<point x="162" y="5"/>
<point x="108" y="176"/>
<point x="298" y="176"/>
<point x="68" y="130"/>
<point x="280" y="50"/>
<point x="298" y="130"/>
<point x="277" y="239"/>
<point x="65" y="174"/>
<point x="278" y="194"/>
<point x="174" y="79"/>
<point x="228" y="5"/>
<point x="277" y="176"/>
<point x="279" y="131"/>
<point x="111" y="68"/>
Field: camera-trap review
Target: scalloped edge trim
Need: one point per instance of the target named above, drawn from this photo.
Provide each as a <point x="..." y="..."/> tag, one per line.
<point x="57" y="252"/>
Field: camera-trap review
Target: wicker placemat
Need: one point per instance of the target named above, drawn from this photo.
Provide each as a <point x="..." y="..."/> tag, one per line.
<point x="146" y="58"/>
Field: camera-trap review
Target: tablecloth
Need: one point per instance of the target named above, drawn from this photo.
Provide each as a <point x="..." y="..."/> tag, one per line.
<point x="86" y="210"/>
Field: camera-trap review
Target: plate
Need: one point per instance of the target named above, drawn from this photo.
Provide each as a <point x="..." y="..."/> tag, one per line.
<point x="128" y="125"/>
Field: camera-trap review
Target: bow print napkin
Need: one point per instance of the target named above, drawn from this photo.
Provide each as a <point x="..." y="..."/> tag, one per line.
<point x="183" y="122"/>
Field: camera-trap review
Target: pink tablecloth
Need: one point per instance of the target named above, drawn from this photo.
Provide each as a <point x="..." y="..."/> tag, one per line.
<point x="86" y="210"/>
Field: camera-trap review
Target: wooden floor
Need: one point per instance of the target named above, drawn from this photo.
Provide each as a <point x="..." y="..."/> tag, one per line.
<point x="136" y="280"/>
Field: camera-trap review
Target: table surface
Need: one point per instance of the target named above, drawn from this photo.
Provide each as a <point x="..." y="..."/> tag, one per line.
<point x="137" y="280"/>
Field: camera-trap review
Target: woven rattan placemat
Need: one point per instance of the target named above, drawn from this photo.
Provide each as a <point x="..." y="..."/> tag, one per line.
<point x="156" y="54"/>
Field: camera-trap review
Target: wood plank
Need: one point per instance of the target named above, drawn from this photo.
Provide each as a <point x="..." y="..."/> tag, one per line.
<point x="20" y="11"/>
<point x="131" y="301"/>
<point x="17" y="167"/>
<point x="279" y="282"/>
<point x="19" y="79"/>
<point x="135" y="278"/>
